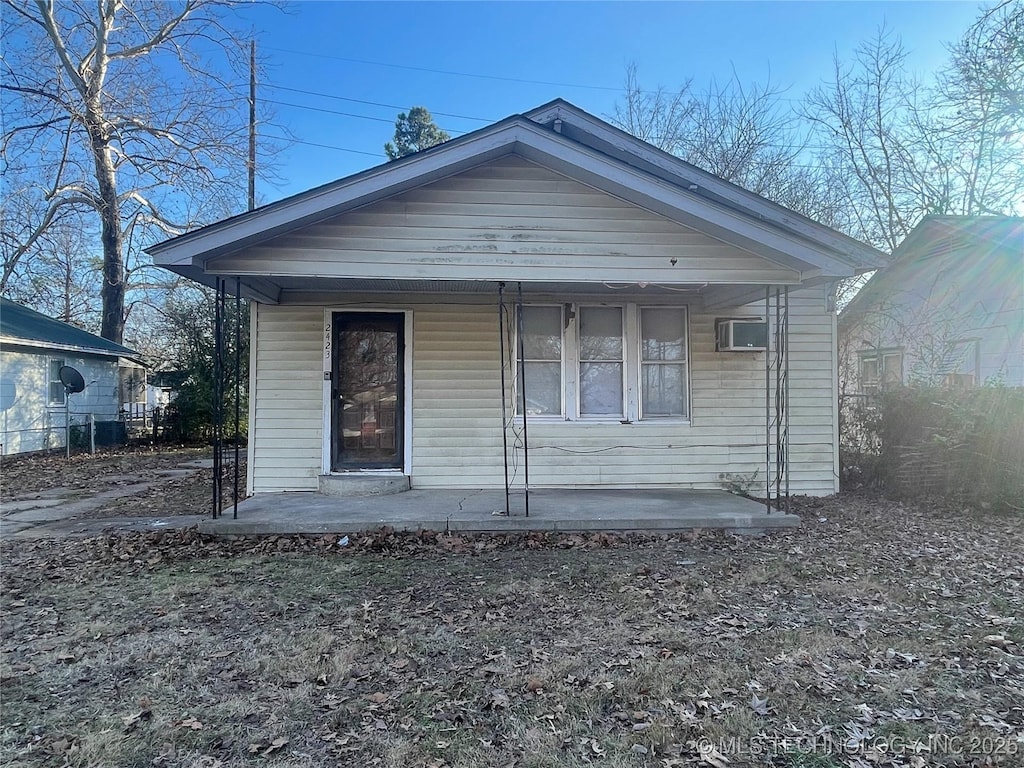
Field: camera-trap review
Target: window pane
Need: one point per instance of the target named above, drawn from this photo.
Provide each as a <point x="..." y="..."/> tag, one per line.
<point x="542" y="333"/>
<point x="869" y="369"/>
<point x="56" y="394"/>
<point x="601" y="389"/>
<point x="600" y="333"/>
<point x="664" y="390"/>
<point x="543" y="389"/>
<point x="892" y="369"/>
<point x="663" y="334"/>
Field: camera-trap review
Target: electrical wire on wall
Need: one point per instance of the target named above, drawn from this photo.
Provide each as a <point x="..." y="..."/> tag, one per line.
<point x="513" y="380"/>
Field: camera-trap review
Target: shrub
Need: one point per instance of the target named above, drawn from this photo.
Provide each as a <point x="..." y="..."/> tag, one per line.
<point x="921" y="441"/>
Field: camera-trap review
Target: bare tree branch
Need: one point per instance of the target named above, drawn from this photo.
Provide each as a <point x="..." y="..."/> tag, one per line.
<point x="123" y="111"/>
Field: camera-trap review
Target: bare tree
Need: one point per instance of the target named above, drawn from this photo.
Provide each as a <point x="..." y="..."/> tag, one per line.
<point x="131" y="113"/>
<point x="991" y="58"/>
<point x="862" y="120"/>
<point x="981" y="99"/>
<point x="659" y="117"/>
<point x="898" y="149"/>
<point x="745" y="134"/>
<point x="62" y="279"/>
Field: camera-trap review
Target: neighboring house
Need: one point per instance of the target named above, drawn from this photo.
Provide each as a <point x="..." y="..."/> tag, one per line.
<point x="33" y="348"/>
<point x="948" y="309"/>
<point x="385" y="318"/>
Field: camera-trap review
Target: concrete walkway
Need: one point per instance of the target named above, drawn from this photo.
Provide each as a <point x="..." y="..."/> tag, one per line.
<point x="59" y="511"/>
<point x="483" y="510"/>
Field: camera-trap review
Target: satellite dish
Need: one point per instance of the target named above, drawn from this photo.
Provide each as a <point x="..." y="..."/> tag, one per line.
<point x="71" y="379"/>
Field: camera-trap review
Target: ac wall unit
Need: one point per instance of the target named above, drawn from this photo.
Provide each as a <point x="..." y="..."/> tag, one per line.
<point x="741" y="335"/>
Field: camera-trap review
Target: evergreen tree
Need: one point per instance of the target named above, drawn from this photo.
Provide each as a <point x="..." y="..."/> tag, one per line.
<point x="414" y="132"/>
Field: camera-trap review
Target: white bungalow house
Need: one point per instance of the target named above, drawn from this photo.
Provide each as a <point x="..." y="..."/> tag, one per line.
<point x="387" y="337"/>
<point x="34" y="403"/>
<point x="947" y="310"/>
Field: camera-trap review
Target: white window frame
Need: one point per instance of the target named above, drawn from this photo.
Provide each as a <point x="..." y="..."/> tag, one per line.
<point x="50" y="381"/>
<point x="879" y="357"/>
<point x="685" y="362"/>
<point x="576" y="383"/>
<point x="632" y="362"/>
<point x="563" y="398"/>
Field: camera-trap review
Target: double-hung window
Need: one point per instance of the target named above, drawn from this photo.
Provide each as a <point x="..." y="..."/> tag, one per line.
<point x="56" y="394"/>
<point x="663" y="363"/>
<point x="601" y="362"/>
<point x="542" y="344"/>
<point x="879" y="369"/>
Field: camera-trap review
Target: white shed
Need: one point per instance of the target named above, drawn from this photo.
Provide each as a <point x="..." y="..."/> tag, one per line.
<point x="548" y="269"/>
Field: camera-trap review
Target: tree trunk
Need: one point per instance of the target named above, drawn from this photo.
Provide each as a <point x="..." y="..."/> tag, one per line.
<point x="112" y="292"/>
<point x="68" y="282"/>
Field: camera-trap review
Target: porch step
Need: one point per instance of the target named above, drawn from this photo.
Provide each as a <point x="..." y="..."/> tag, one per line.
<point x="369" y="484"/>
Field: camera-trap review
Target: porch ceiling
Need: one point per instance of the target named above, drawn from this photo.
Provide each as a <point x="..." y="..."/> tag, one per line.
<point x="300" y="290"/>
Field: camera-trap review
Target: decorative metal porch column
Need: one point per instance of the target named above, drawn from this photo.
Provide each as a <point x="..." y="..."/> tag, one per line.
<point x="220" y="384"/>
<point x="776" y="414"/>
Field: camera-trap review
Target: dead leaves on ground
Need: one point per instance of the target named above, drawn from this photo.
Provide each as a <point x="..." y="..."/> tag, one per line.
<point x="882" y="622"/>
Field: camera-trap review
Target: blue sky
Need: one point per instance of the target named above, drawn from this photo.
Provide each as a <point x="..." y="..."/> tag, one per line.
<point x="381" y="52"/>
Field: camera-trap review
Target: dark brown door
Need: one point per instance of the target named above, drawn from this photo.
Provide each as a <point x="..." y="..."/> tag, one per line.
<point x="367" y="387"/>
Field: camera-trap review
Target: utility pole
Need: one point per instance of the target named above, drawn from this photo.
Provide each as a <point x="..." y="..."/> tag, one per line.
<point x="252" y="124"/>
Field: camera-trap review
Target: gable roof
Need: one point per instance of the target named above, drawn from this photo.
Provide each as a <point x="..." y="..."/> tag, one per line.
<point x="26" y="327"/>
<point x="939" y="243"/>
<point x="572" y="142"/>
<point x="601" y="135"/>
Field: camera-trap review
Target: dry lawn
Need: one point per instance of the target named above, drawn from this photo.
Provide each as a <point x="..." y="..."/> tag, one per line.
<point x="878" y="634"/>
<point x="112" y="471"/>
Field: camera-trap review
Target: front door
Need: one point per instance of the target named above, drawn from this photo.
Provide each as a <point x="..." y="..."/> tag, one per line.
<point x="366" y="391"/>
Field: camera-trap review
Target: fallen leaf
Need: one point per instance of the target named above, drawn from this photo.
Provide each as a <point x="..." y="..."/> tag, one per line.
<point x="276" y="745"/>
<point x="760" y="706"/>
<point x="709" y="754"/>
<point x="498" y="699"/>
<point x="996" y="641"/>
<point x="131" y="721"/>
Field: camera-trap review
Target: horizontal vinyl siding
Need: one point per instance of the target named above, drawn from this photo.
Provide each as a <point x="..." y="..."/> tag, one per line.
<point x="457" y="413"/>
<point x="509" y="219"/>
<point x="457" y="434"/>
<point x="456" y="397"/>
<point x="288" y="421"/>
<point x="812" y="395"/>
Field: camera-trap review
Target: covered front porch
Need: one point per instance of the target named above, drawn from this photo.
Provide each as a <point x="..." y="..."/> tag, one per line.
<point x="648" y="510"/>
<point x="545" y="304"/>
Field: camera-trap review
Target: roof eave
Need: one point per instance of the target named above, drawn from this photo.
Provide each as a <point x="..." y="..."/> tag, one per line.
<point x="17" y="341"/>
<point x="188" y="254"/>
<point x="864" y="257"/>
<point x="414" y="170"/>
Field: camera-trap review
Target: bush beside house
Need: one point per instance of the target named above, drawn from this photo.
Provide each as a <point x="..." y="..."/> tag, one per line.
<point x="915" y="442"/>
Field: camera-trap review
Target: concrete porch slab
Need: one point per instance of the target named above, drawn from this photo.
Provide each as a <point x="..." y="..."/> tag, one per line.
<point x="468" y="510"/>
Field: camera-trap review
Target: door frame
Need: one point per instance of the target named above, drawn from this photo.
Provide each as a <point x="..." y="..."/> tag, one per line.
<point x="328" y="361"/>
